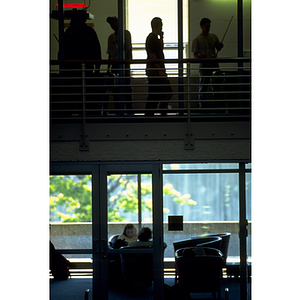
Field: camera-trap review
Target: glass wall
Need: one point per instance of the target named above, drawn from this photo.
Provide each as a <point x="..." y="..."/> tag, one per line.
<point x="208" y="199"/>
<point x="206" y="195"/>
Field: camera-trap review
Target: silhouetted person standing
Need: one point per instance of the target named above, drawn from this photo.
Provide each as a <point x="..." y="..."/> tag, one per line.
<point x="81" y="42"/>
<point x="205" y="46"/>
<point x="113" y="53"/>
<point x="159" y="84"/>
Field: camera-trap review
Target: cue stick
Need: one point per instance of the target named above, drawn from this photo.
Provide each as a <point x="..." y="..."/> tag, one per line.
<point x="226" y="31"/>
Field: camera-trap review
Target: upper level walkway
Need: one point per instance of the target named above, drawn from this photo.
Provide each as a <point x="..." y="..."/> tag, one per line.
<point x="109" y="112"/>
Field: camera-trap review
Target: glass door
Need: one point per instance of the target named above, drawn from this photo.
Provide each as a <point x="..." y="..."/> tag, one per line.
<point x="129" y="203"/>
<point x="129" y="209"/>
<point x="71" y="220"/>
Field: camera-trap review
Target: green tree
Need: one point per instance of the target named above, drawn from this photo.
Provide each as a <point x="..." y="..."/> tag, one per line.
<point x="73" y="194"/>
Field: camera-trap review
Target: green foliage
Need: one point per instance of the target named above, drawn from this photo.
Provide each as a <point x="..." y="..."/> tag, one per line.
<point x="123" y="195"/>
<point x="74" y="195"/>
<point x="180" y="199"/>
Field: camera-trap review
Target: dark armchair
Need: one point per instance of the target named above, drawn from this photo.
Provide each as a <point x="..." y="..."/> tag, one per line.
<point x="137" y="268"/>
<point x="199" y="273"/>
<point x="225" y="236"/>
<point x="212" y="242"/>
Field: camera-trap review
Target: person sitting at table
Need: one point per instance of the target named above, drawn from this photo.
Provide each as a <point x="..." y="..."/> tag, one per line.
<point x="129" y="235"/>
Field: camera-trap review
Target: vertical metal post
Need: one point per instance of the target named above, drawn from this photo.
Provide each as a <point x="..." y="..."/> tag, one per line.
<point x="240" y="28"/>
<point x="121" y="53"/>
<point x="240" y="44"/>
<point x="226" y="293"/>
<point x="61" y="44"/>
<point x="180" y="56"/>
<point x="61" y="29"/>
<point x="96" y="232"/>
<point x="103" y="234"/>
<point x="86" y="294"/>
<point x="158" y="251"/>
<point x="189" y="143"/>
<point x="139" y="202"/>
<point x="121" y="28"/>
<point x="83" y="101"/>
<point x="84" y="144"/>
<point x="189" y="92"/>
<point x="243" y="232"/>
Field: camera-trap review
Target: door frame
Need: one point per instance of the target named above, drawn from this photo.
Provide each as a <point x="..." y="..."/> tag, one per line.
<point x="155" y="169"/>
<point x="99" y="172"/>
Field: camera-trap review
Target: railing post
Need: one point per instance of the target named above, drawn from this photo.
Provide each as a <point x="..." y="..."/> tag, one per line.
<point x="189" y="142"/>
<point x="83" y="90"/>
<point x="188" y="71"/>
<point x="83" y="145"/>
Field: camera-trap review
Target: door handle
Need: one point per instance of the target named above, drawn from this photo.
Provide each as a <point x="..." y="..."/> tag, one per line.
<point x="246" y="228"/>
<point x="96" y="246"/>
<point x="104" y="251"/>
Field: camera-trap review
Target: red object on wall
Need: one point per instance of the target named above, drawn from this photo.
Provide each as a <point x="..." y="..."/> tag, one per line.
<point x="75" y="5"/>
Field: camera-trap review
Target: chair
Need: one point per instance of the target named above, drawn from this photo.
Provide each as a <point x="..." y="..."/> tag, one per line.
<point x="112" y="240"/>
<point x="201" y="273"/>
<point x="115" y="277"/>
<point x="137" y="268"/>
<point x="212" y="242"/>
<point x="225" y="236"/>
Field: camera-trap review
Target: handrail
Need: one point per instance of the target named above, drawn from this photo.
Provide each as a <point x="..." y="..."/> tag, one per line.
<point x="79" y="94"/>
<point x="166" y="61"/>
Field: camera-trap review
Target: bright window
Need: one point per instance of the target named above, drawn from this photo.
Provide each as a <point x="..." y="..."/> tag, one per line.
<point x="139" y="16"/>
<point x="208" y="201"/>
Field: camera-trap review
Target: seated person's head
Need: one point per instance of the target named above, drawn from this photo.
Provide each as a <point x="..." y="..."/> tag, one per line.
<point x="145" y="234"/>
<point x="188" y="253"/>
<point x="129" y="231"/>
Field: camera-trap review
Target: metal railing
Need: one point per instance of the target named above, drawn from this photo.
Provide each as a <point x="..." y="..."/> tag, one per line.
<point x="79" y="93"/>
